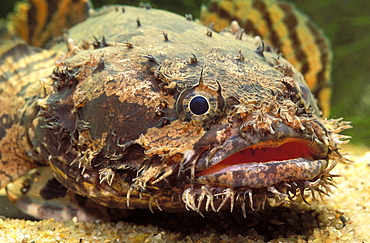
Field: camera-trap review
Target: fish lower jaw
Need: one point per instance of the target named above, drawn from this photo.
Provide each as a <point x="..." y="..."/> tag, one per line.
<point x="282" y="169"/>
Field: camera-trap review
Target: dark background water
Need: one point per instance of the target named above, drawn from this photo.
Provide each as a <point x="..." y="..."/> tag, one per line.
<point x="346" y="23"/>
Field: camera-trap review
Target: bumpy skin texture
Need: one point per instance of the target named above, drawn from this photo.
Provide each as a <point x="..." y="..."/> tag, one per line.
<point x="284" y="27"/>
<point x="116" y="124"/>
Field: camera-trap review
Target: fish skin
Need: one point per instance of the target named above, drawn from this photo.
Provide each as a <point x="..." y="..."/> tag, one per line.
<point x="285" y="28"/>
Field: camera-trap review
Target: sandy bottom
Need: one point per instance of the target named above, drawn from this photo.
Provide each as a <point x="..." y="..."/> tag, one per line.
<point x="343" y="217"/>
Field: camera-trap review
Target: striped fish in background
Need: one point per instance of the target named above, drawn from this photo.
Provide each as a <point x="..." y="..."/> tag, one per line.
<point x="282" y="26"/>
<point x="38" y="21"/>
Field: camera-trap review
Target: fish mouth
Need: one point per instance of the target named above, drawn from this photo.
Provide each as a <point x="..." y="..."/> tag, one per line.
<point x="242" y="164"/>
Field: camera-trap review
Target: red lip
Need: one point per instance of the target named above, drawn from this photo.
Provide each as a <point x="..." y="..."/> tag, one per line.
<point x="287" y="149"/>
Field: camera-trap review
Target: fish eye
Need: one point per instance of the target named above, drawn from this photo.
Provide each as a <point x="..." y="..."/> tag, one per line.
<point x="199" y="105"/>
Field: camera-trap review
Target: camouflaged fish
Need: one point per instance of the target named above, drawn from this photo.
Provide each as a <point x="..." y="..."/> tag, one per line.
<point x="146" y="109"/>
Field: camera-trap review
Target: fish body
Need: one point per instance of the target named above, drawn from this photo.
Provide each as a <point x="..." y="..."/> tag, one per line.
<point x="158" y="112"/>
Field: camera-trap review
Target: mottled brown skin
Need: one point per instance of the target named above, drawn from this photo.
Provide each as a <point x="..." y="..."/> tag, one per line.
<point x="284" y="27"/>
<point x="112" y="123"/>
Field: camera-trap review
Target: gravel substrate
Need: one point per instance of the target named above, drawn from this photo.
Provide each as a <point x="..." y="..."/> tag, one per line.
<point x="343" y="217"/>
